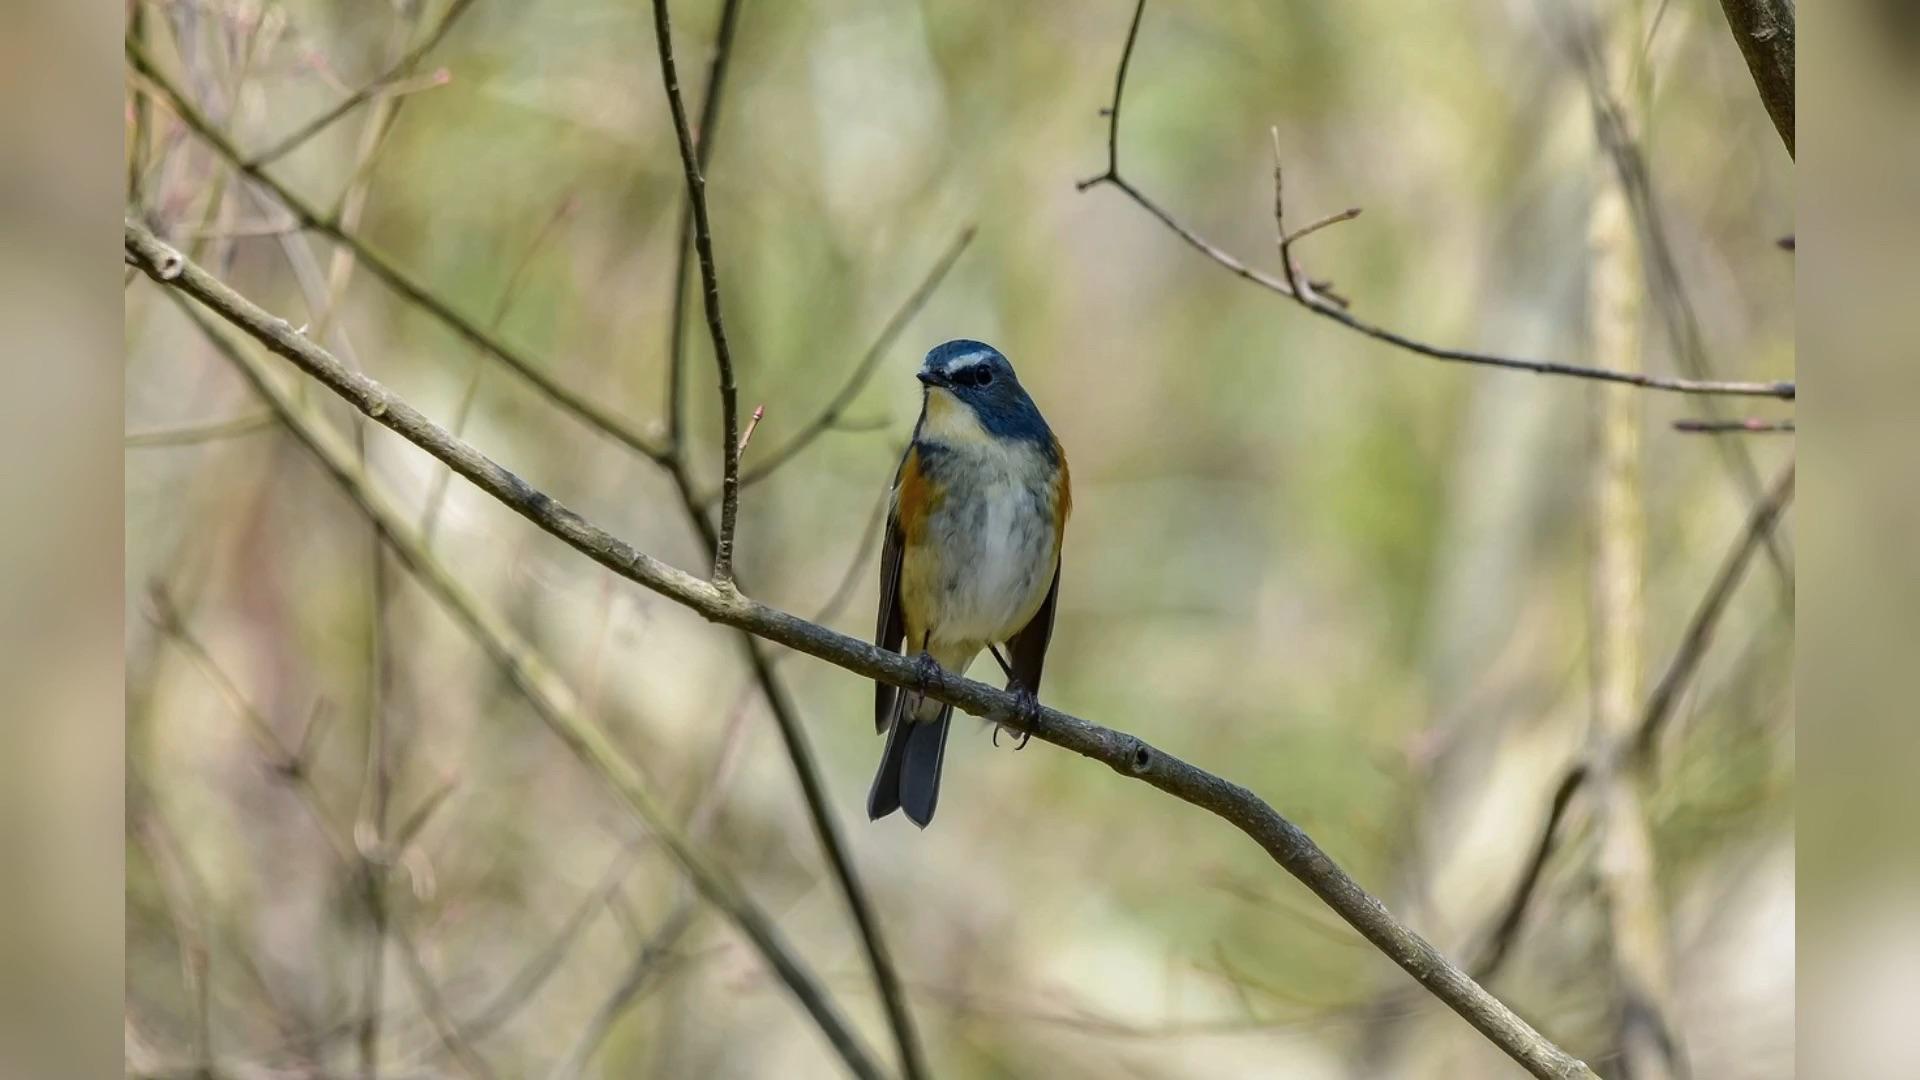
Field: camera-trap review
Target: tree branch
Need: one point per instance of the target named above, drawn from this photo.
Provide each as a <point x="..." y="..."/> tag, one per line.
<point x="1326" y="308"/>
<point x="400" y="70"/>
<point x="1125" y="754"/>
<point x="384" y="269"/>
<point x="1764" y="31"/>
<point x="720" y="542"/>
<point x="830" y="416"/>
<point x="1680" y="670"/>
<point x="703" y="155"/>
<point x="1706" y="616"/>
<point x="710" y="298"/>
<point x="549" y="697"/>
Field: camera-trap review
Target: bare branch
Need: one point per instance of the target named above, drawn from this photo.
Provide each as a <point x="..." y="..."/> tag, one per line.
<point x="398" y="72"/>
<point x="383" y="268"/>
<point x="1747" y="426"/>
<point x="167" y="617"/>
<point x="1125" y="754"/>
<point x="759" y="411"/>
<point x="703" y="156"/>
<point x="1659" y="707"/>
<point x="549" y="697"/>
<point x="720" y="542"/>
<point x="829" y="418"/>
<point x="710" y="298"/>
<point x="1764" y="31"/>
<point x="1327" y="309"/>
<point x="195" y="434"/>
<point x="1706" y="617"/>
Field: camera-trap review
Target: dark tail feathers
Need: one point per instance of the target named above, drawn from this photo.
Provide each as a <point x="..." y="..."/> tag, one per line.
<point x="909" y="776"/>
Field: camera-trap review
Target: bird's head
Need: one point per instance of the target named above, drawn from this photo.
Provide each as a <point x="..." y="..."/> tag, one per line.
<point x="972" y="394"/>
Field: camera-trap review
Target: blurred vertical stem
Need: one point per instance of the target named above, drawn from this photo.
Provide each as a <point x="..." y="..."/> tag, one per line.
<point x="1645" y="1042"/>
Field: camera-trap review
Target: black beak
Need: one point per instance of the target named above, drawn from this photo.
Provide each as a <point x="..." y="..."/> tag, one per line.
<point x="930" y="378"/>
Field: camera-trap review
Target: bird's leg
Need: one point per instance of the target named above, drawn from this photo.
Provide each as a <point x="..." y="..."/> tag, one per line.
<point x="1005" y="668"/>
<point x="927" y="671"/>
<point x="1028" y="703"/>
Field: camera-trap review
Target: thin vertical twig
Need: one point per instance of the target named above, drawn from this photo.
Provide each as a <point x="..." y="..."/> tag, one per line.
<point x="703" y="156"/>
<point x="720" y="541"/>
<point x="710" y="299"/>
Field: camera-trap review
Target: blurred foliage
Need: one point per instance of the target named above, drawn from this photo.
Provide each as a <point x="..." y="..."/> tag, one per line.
<point x="1352" y="579"/>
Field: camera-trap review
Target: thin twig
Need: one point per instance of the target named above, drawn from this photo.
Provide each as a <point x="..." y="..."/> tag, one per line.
<point x="1498" y="944"/>
<point x="752" y="423"/>
<point x="683" y="250"/>
<point x="195" y="434"/>
<point x="167" y="617"/>
<point x="1126" y="754"/>
<point x="813" y="791"/>
<point x="1327" y="309"/>
<point x="436" y="497"/>
<point x="400" y="70"/>
<point x="829" y="417"/>
<point x="382" y="267"/>
<point x="1668" y="289"/>
<point x="710" y="298"/>
<point x="1659" y="707"/>
<point x="1706" y="616"/>
<point x="551" y="699"/>
<point x="1748" y="426"/>
<point x="720" y="542"/>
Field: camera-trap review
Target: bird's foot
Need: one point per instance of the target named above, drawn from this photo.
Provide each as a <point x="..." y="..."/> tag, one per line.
<point x="1029" y="705"/>
<point x="927" y="671"/>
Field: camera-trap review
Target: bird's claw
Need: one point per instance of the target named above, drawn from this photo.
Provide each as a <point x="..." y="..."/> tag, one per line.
<point x="1028" y="703"/>
<point x="927" y="671"/>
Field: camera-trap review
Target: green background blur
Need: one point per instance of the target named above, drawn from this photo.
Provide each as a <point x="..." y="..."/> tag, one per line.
<point x="1352" y="579"/>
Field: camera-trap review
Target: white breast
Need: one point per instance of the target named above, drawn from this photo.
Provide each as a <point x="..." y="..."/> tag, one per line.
<point x="995" y="539"/>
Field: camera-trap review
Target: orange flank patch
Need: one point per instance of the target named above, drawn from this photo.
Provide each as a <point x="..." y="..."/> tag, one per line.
<point x="914" y="499"/>
<point x="1063" y="496"/>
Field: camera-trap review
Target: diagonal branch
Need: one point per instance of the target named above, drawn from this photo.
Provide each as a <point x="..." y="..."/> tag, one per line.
<point x="382" y="267"/>
<point x="400" y="70"/>
<point x="829" y="417"/>
<point x="523" y="668"/>
<point x="1680" y="671"/>
<point x="1764" y="31"/>
<point x="710" y="298"/>
<point x="1126" y="754"/>
<point x="1327" y="308"/>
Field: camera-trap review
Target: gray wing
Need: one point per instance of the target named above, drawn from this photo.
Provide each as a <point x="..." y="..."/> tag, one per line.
<point x="1027" y="650"/>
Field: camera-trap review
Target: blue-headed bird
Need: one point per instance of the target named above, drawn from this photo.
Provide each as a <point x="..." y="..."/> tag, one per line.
<point x="971" y="558"/>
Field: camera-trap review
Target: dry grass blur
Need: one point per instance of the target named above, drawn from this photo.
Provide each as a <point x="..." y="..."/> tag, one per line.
<point x="1352" y="579"/>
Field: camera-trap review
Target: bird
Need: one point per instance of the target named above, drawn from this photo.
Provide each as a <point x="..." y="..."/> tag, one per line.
<point x="970" y="560"/>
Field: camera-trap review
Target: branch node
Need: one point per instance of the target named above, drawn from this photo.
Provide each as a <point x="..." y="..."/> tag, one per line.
<point x="1141" y="759"/>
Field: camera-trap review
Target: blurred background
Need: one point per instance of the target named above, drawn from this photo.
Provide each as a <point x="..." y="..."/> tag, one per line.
<point x="1399" y="599"/>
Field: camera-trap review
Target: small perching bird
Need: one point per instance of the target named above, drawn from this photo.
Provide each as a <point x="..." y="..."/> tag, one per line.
<point x="971" y="559"/>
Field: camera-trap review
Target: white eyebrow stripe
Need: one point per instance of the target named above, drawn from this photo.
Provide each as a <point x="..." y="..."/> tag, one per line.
<point x="966" y="360"/>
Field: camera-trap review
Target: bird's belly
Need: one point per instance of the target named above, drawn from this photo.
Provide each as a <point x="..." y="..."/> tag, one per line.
<point x="983" y="567"/>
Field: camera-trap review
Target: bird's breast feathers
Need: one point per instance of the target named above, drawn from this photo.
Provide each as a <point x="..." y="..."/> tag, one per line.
<point x="981" y="524"/>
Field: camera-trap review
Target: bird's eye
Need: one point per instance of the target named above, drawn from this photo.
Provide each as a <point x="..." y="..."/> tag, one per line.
<point x="981" y="376"/>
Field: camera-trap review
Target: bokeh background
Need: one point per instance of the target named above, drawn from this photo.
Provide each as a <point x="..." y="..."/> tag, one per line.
<point x="1355" y="580"/>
